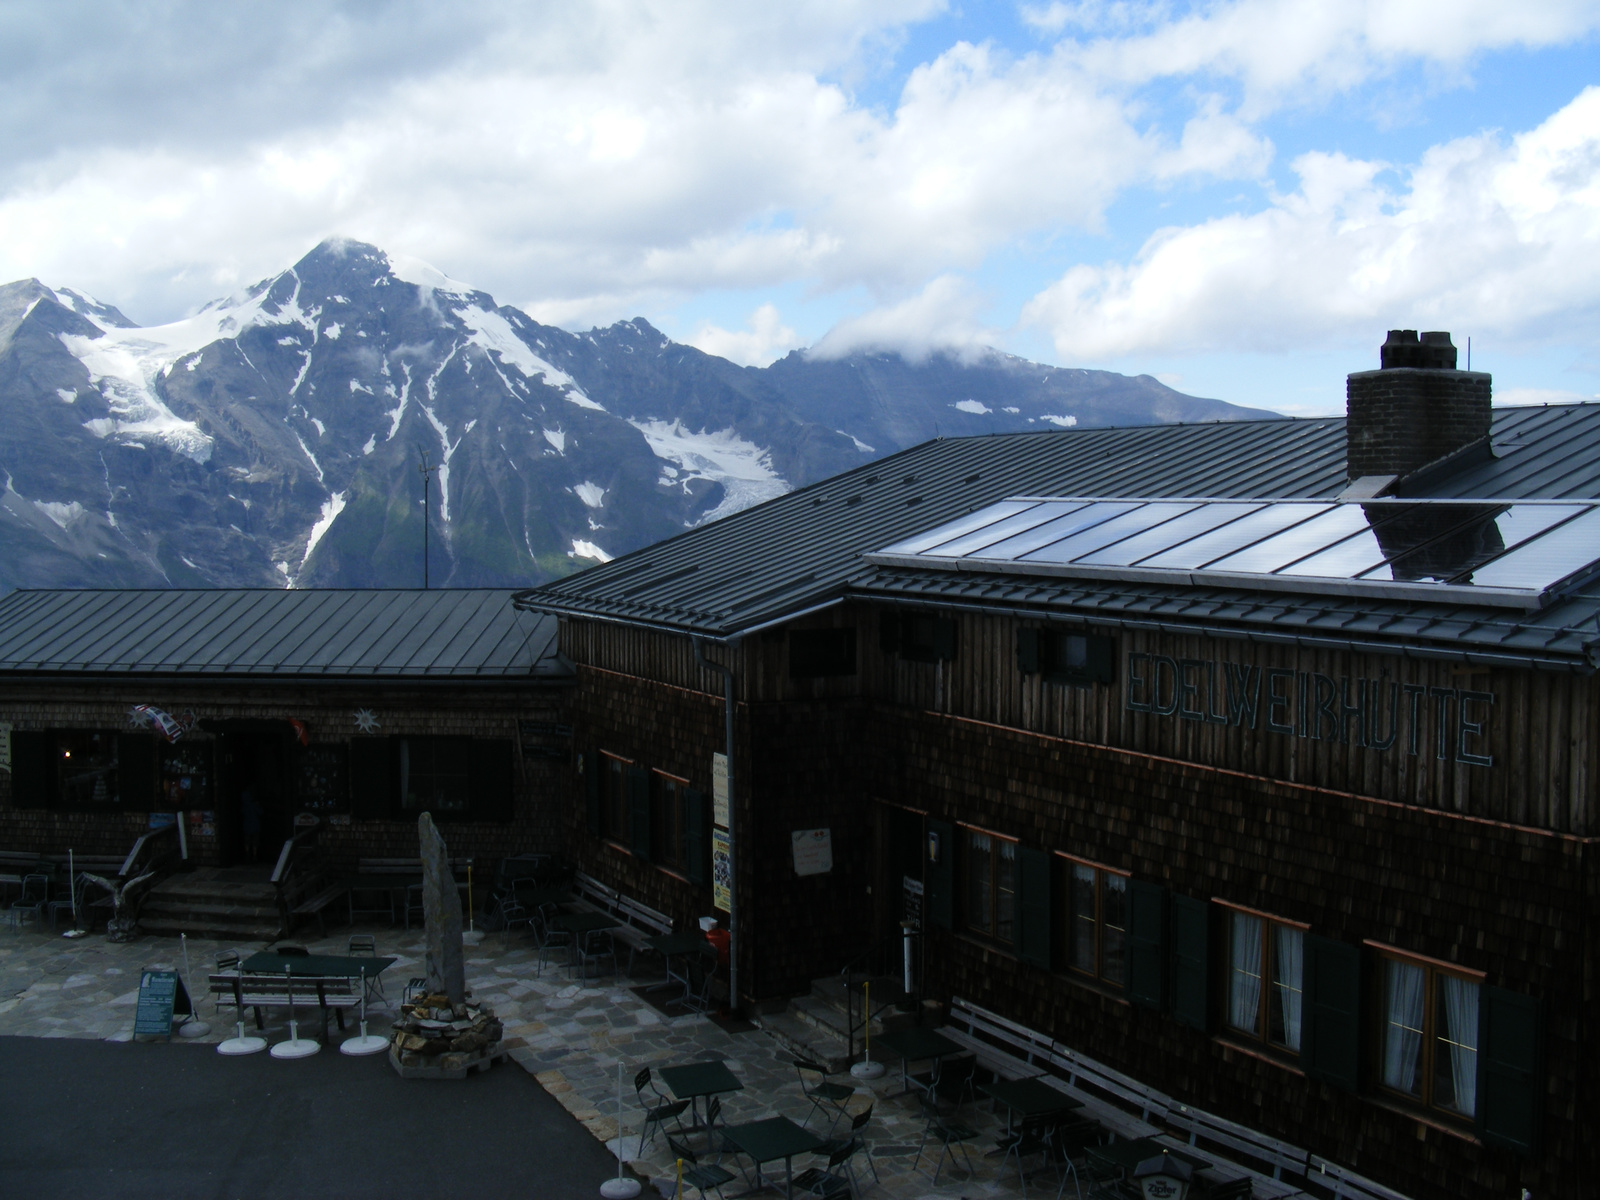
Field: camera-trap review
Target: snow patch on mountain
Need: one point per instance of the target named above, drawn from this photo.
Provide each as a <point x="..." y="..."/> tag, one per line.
<point x="583" y="549"/>
<point x="590" y="494"/>
<point x="976" y="407"/>
<point x="491" y="331"/>
<point x="124" y="368"/>
<point x="414" y="271"/>
<point x="556" y="438"/>
<point x="742" y="468"/>
<point x="331" y="508"/>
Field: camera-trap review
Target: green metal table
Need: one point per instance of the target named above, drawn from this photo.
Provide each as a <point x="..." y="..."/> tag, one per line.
<point x="265" y="962"/>
<point x="1027" y="1098"/>
<point x="915" y="1045"/>
<point x="694" y="1080"/>
<point x="676" y="945"/>
<point x="769" y="1140"/>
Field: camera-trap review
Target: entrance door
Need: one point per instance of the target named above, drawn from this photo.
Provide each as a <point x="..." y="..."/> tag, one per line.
<point x="254" y="800"/>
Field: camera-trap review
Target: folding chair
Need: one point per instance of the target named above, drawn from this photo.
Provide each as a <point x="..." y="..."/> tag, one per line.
<point x="825" y="1097"/>
<point x="709" y="1176"/>
<point x="657" y="1108"/>
<point x="827" y="1182"/>
<point x="857" y="1124"/>
<point x="35" y="891"/>
<point x="365" y="945"/>
<point x="948" y="1135"/>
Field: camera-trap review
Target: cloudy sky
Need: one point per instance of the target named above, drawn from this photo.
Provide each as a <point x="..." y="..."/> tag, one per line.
<point x="1238" y="197"/>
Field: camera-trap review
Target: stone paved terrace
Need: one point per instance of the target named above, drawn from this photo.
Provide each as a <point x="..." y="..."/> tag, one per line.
<point x="569" y="1037"/>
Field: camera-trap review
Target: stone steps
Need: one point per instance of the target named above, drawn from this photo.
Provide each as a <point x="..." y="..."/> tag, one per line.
<point x="816" y="1026"/>
<point x="210" y="908"/>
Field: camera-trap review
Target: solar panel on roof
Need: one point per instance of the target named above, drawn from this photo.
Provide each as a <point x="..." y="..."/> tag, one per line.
<point x="1476" y="552"/>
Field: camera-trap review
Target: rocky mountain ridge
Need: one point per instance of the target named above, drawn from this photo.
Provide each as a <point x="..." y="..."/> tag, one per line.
<point x="278" y="438"/>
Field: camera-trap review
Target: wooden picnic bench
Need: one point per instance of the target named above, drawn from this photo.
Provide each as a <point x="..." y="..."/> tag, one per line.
<point x="637" y="922"/>
<point x="333" y="993"/>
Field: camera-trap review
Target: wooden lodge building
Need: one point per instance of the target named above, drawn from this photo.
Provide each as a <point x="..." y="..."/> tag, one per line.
<point x="245" y="715"/>
<point x="1255" y="760"/>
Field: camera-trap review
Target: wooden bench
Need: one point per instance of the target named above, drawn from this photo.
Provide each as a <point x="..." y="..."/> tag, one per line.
<point x="639" y="922"/>
<point x="1341" y="1183"/>
<point x="333" y="993"/>
<point x="1002" y="1046"/>
<point x="1095" y="1078"/>
<point x="1203" y="1127"/>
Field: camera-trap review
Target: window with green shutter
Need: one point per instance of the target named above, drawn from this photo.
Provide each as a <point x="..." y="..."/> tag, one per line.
<point x="694" y="836"/>
<point x="1191" y="962"/>
<point x="1095" y="912"/>
<point x="1330" y="1035"/>
<point x="32" y="769"/>
<point x="1033" y="907"/>
<point x="1511" y="1083"/>
<point x="939" y="881"/>
<point x="1147" y="943"/>
<point x="1265" y="977"/>
<point x="639" y="811"/>
<point x="590" y="763"/>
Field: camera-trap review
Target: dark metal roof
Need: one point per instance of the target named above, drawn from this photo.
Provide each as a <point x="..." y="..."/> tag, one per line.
<point x="806" y="547"/>
<point x="444" y="634"/>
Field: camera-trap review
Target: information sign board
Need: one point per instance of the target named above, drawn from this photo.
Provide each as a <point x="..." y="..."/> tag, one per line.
<point x="161" y="993"/>
<point x="721" y="871"/>
<point x="719" y="791"/>
<point x="813" y="851"/>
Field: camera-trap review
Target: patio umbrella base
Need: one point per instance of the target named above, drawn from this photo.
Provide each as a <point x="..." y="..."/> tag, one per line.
<point x="366" y="1043"/>
<point x="867" y="1070"/>
<point x="295" y="1048"/>
<point x="193" y="1029"/>
<point x="239" y="1044"/>
<point x="619" y="1189"/>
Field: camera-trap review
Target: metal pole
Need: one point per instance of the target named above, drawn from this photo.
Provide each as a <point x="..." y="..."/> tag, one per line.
<point x="733" y="846"/>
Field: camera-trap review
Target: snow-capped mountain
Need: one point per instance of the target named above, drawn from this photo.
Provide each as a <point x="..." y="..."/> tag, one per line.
<point x="277" y="437"/>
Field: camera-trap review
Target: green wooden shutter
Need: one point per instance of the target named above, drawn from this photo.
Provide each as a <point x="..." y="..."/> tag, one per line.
<point x="1102" y="661"/>
<point x="1511" y="1085"/>
<point x="1330" y="1034"/>
<point x="944" y="639"/>
<point x="694" y="835"/>
<point x="371" y="778"/>
<point x="491" y="780"/>
<point x="1033" y="907"/>
<point x="1191" y="962"/>
<point x="33" y="774"/>
<point x="591" y="790"/>
<point x="138" y="757"/>
<point x="939" y="886"/>
<point x="639" y="811"/>
<point x="1028" y="651"/>
<point x="1147" y="942"/>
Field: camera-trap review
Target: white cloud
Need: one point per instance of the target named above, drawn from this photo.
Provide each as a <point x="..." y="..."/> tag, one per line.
<point x="766" y="339"/>
<point x="1488" y="235"/>
<point x="941" y="317"/>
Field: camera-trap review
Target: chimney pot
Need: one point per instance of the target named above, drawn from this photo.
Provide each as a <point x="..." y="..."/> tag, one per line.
<point x="1415" y="409"/>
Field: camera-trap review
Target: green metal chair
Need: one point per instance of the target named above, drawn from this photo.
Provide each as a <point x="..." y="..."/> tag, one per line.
<point x="657" y="1108"/>
<point x="826" y="1097"/>
<point x="949" y="1135"/>
<point x="696" y="1176"/>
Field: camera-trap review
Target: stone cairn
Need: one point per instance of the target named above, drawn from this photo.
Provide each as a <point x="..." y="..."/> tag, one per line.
<point x="443" y="1035"/>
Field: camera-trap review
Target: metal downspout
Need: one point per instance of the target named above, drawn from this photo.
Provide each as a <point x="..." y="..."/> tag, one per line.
<point x="733" y="852"/>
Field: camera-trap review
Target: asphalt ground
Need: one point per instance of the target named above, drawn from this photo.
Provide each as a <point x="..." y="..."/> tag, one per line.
<point x="88" y="1119"/>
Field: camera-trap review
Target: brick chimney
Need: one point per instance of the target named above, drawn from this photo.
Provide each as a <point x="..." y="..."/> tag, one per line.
<point x="1415" y="409"/>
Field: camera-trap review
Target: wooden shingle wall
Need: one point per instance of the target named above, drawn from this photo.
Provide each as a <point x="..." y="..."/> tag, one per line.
<point x="1516" y="903"/>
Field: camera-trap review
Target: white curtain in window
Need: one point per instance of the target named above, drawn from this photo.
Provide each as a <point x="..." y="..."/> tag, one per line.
<point x="1244" y="980"/>
<point x="1289" y="944"/>
<point x="1402" y="1044"/>
<point x="1461" y="1015"/>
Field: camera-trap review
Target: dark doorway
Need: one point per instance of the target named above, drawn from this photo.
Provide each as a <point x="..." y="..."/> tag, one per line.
<point x="254" y="801"/>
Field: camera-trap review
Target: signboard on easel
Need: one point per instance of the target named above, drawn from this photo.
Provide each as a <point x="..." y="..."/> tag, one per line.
<point x="161" y="993"/>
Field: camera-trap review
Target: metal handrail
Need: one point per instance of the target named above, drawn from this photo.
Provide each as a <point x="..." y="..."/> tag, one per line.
<point x="879" y="950"/>
<point x="132" y="861"/>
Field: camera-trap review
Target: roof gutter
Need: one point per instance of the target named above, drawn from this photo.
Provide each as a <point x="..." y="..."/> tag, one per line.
<point x="724" y="638"/>
<point x="1589" y="665"/>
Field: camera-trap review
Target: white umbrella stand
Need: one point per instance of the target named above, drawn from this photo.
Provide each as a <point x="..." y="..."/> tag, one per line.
<point x="296" y="1046"/>
<point x="620" y="1188"/>
<point x="365" y="1043"/>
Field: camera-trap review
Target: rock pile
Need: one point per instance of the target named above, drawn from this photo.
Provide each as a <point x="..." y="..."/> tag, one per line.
<point x="434" y="1039"/>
